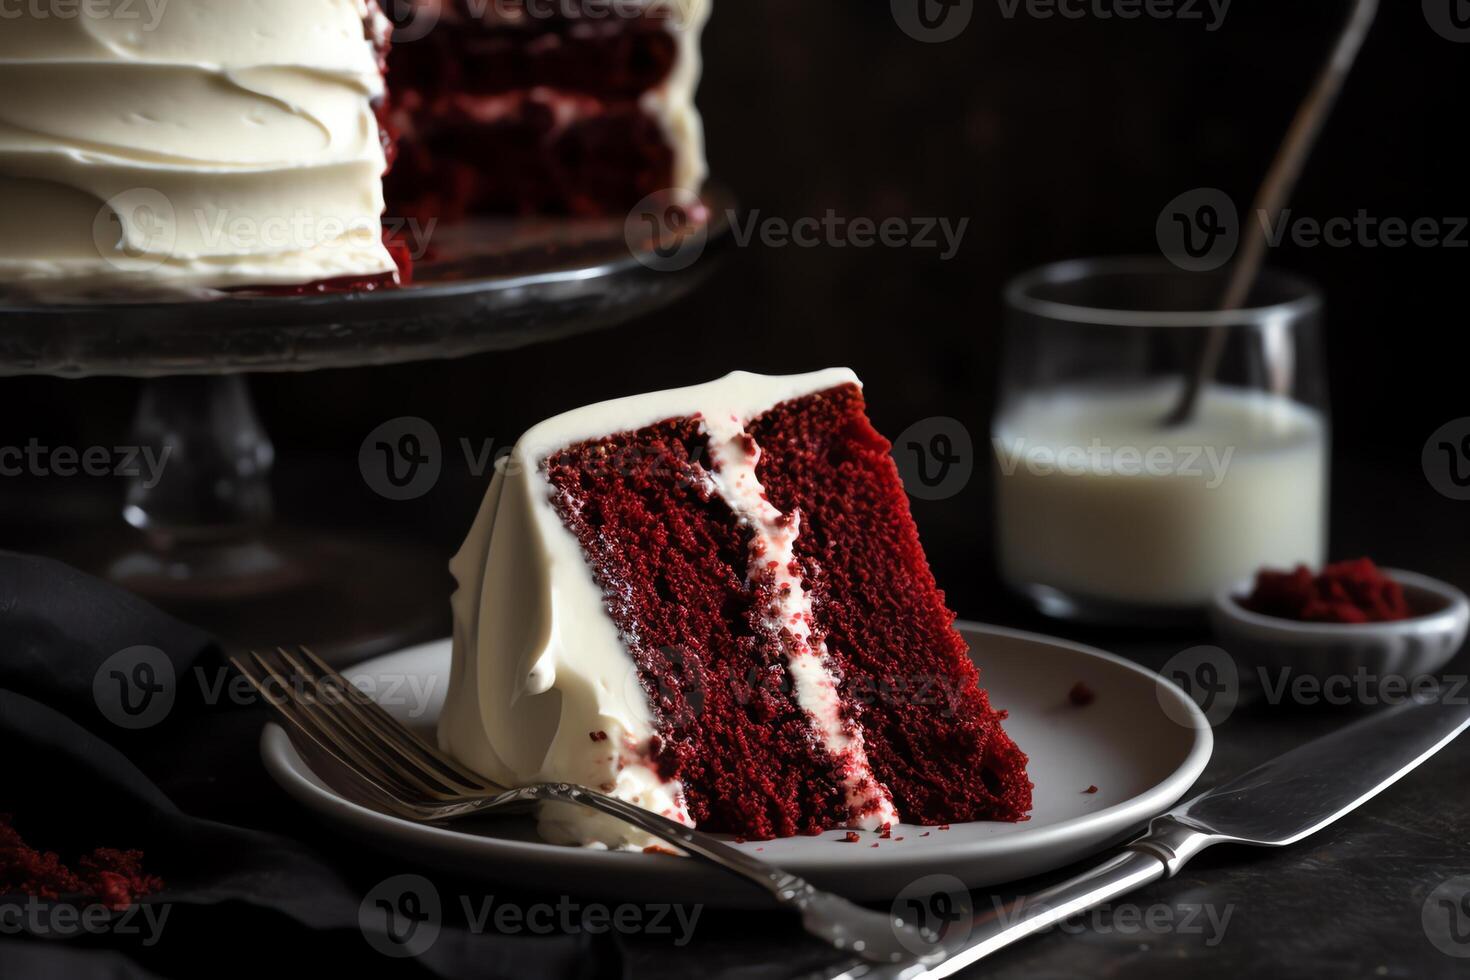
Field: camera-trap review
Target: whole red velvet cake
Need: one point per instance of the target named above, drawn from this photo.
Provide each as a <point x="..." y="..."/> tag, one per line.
<point x="259" y="145"/>
<point x="713" y="602"/>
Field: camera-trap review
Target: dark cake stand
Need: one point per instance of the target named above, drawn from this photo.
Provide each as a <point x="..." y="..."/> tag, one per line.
<point x="202" y="542"/>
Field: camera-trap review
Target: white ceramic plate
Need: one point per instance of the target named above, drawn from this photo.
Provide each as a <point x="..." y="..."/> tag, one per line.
<point x="1142" y="743"/>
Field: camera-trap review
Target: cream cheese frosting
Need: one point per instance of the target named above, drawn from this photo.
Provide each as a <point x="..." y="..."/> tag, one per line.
<point x="672" y="103"/>
<point x="539" y="665"/>
<point x="190" y="144"/>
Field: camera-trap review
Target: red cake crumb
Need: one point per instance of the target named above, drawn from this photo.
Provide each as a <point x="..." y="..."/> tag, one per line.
<point x="597" y="736"/>
<point x="114" y="878"/>
<point x="1090" y="790"/>
<point x="851" y="837"/>
<point x="1345" y="592"/>
<point x="924" y="834"/>
<point x="1081" y="695"/>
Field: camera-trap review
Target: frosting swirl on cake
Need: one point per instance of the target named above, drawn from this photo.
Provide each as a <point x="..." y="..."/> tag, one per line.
<point x="191" y="144"/>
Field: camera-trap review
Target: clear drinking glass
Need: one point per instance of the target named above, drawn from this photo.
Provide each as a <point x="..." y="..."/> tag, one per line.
<point x="1107" y="509"/>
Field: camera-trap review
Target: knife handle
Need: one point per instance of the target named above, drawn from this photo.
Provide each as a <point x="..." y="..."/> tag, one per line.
<point x="1158" y="854"/>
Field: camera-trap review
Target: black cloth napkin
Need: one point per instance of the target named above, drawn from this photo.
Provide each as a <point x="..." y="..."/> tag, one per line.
<point x="102" y="699"/>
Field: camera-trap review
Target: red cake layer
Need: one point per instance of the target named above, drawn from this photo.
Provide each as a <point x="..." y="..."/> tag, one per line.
<point x="500" y="112"/>
<point x="611" y="57"/>
<point x="536" y="152"/>
<point x="672" y="562"/>
<point x="932" y="737"/>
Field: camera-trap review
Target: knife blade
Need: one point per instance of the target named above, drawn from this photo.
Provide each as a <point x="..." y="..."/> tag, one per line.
<point x="1274" y="805"/>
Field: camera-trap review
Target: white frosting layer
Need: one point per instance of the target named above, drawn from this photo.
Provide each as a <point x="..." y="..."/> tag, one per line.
<point x="190" y="144"/>
<point x="672" y="104"/>
<point x="539" y="666"/>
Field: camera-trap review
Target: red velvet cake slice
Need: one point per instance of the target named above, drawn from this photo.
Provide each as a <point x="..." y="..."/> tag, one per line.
<point x="533" y="107"/>
<point x="713" y="602"/>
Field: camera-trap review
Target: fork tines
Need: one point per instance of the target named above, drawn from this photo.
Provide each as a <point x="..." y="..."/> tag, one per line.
<point x="339" y="719"/>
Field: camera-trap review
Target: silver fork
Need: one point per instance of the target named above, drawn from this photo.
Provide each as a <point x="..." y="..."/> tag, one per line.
<point x="396" y="771"/>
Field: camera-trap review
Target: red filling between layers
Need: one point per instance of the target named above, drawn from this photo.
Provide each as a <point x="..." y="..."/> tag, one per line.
<point x="672" y="562"/>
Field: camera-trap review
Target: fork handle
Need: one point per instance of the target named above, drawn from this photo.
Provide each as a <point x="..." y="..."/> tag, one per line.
<point x="788" y="889"/>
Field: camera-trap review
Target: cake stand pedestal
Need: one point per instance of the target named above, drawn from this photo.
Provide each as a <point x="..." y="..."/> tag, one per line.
<point x="199" y="537"/>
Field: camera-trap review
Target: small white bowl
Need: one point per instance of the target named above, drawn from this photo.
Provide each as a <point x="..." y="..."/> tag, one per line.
<point x="1409" y="648"/>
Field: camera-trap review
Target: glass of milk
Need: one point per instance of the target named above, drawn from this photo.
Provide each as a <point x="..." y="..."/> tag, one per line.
<point x="1107" y="512"/>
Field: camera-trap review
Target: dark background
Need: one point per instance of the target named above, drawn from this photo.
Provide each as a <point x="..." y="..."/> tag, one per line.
<point x="1057" y="139"/>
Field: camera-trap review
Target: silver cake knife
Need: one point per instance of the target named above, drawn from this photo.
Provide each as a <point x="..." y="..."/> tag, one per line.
<point x="1275" y="805"/>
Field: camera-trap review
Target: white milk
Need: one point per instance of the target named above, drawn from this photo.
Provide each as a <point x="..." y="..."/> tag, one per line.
<point x="1096" y="500"/>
